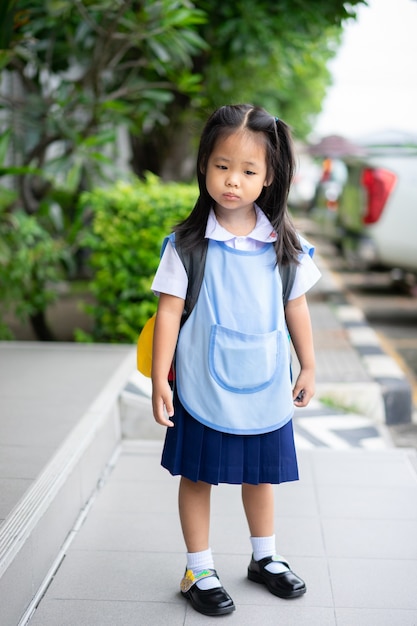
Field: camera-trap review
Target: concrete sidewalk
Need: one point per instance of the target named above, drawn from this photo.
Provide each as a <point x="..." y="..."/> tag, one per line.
<point x="89" y="533"/>
<point x="348" y="528"/>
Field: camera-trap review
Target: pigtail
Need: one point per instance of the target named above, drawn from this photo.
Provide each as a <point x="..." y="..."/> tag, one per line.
<point x="273" y="200"/>
<point x="287" y="245"/>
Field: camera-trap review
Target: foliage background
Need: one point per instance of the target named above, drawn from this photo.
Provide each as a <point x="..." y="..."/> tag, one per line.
<point x="95" y="91"/>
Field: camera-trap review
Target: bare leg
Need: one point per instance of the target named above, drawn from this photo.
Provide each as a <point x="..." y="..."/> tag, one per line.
<point x="194" y="508"/>
<point x="205" y="593"/>
<point x="258" y="502"/>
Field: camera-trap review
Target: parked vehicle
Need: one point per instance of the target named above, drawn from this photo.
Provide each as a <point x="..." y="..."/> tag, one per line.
<point x="367" y="203"/>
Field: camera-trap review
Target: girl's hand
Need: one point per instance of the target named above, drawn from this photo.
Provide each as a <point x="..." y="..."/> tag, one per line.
<point x="299" y="325"/>
<point x="165" y="336"/>
<point x="162" y="404"/>
<point x="304" y="388"/>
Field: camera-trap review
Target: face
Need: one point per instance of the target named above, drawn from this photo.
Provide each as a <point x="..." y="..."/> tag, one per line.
<point x="236" y="172"/>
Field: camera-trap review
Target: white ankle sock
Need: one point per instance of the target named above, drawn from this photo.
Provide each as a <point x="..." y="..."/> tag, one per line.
<point x="199" y="561"/>
<point x="263" y="547"/>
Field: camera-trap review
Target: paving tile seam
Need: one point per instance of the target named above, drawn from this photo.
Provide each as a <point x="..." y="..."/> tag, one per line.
<point x="104" y="600"/>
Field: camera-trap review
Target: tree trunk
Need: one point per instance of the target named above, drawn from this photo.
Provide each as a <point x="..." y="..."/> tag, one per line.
<point x="41" y="328"/>
<point x="169" y="151"/>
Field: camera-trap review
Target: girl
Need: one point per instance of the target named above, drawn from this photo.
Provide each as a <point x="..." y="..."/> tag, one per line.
<point x="229" y="419"/>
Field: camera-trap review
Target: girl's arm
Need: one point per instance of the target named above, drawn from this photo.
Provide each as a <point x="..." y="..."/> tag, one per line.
<point x="167" y="326"/>
<point x="299" y="326"/>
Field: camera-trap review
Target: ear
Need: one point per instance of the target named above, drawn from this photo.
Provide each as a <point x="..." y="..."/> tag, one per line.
<point x="268" y="181"/>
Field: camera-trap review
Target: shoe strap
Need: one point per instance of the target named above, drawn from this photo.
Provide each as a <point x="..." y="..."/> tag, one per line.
<point x="191" y="579"/>
<point x="276" y="558"/>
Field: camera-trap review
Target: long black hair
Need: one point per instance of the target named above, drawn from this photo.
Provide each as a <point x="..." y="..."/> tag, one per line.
<point x="280" y="170"/>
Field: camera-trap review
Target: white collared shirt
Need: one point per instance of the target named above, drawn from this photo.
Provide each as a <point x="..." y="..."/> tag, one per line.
<point x="261" y="234"/>
<point x="171" y="277"/>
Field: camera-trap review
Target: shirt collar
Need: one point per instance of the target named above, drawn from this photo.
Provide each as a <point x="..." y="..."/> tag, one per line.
<point x="262" y="232"/>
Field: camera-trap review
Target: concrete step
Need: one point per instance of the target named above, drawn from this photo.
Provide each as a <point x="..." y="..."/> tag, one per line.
<point x="82" y="385"/>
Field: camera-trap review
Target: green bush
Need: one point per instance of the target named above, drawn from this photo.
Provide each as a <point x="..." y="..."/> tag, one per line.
<point x="129" y="223"/>
<point x="31" y="263"/>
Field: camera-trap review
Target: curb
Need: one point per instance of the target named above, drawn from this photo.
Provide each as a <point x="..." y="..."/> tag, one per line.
<point x="394" y="386"/>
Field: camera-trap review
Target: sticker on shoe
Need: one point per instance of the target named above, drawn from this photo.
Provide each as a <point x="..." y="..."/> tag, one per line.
<point x="190" y="578"/>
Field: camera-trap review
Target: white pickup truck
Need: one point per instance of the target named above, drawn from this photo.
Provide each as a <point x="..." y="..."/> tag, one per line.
<point x="369" y="205"/>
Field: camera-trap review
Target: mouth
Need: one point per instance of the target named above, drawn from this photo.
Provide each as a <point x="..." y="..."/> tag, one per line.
<point x="230" y="196"/>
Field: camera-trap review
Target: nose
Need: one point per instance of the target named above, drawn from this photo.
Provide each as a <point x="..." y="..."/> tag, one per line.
<point x="232" y="180"/>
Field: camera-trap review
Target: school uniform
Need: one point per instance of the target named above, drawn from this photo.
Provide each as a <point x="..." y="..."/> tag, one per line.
<point x="232" y="400"/>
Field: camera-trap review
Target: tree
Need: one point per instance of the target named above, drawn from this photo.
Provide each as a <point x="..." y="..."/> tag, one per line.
<point x="273" y="53"/>
<point x="81" y="68"/>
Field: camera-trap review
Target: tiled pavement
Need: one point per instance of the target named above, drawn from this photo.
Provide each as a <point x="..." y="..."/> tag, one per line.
<point x="348" y="527"/>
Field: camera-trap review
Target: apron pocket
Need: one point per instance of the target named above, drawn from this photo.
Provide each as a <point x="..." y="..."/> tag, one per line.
<point x="241" y="362"/>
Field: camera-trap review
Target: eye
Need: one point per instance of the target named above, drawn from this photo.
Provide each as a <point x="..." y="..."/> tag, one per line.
<point x="250" y="173"/>
<point x="221" y="167"/>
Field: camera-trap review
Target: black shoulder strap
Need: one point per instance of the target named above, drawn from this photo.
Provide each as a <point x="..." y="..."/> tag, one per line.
<point x="194" y="262"/>
<point x="288" y="273"/>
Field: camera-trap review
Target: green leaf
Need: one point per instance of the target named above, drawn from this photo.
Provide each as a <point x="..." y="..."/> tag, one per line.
<point x="99" y="139"/>
<point x="4" y="144"/>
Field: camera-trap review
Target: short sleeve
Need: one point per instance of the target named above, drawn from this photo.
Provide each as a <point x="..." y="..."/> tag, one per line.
<point x="307" y="275"/>
<point x="171" y="277"/>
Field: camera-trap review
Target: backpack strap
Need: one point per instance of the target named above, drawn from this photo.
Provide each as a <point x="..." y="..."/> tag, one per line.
<point x="287" y="273"/>
<point x="194" y="262"/>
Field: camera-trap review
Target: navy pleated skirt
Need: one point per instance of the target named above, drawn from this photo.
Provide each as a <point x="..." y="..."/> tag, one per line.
<point x="198" y="452"/>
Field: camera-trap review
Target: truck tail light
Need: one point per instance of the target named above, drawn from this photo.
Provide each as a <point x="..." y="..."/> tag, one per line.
<point x="378" y="183"/>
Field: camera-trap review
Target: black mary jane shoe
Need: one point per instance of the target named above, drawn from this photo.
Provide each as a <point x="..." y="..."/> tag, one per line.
<point x="284" y="585"/>
<point x="210" y="602"/>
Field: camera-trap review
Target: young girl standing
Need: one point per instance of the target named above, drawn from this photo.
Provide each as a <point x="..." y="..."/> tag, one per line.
<point x="229" y="418"/>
